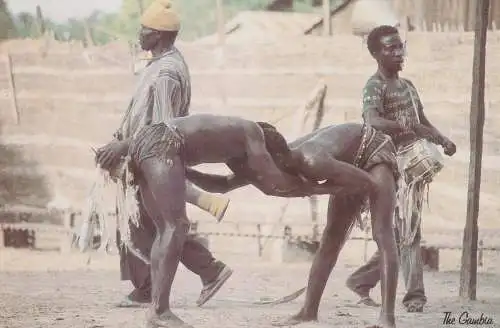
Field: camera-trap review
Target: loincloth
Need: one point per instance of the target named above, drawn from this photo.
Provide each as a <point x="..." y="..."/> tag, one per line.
<point x="376" y="148"/>
<point x="160" y="140"/>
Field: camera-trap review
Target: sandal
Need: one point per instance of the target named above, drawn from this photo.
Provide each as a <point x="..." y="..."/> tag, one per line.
<point x="368" y="301"/>
<point x="414" y="307"/>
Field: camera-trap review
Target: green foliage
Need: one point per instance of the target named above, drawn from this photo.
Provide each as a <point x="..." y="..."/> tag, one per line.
<point x="198" y="17"/>
<point x="7" y="29"/>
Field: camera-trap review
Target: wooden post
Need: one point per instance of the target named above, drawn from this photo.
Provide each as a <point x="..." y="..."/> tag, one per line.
<point x="67" y="238"/>
<point x="327" y="26"/>
<point x="2" y="237"/>
<point x="468" y="272"/>
<point x="88" y="33"/>
<point x="12" y="88"/>
<point x="220" y="22"/>
<point x="259" y="239"/>
<point x="40" y="21"/>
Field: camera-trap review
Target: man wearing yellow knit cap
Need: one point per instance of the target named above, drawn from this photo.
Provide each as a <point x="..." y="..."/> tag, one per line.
<point x="163" y="92"/>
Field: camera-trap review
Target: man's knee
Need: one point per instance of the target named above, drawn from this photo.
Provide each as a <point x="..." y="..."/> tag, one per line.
<point x="177" y="228"/>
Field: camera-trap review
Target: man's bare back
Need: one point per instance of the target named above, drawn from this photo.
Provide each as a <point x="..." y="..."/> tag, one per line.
<point x="214" y="139"/>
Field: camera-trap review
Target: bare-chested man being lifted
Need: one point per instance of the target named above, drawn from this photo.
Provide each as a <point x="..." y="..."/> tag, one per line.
<point x="320" y="155"/>
<point x="159" y="154"/>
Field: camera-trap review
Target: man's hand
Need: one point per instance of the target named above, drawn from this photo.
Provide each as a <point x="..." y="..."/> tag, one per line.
<point x="110" y="155"/>
<point x="449" y="147"/>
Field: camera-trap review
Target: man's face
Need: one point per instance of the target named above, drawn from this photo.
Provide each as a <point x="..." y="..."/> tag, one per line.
<point x="392" y="52"/>
<point x="148" y="38"/>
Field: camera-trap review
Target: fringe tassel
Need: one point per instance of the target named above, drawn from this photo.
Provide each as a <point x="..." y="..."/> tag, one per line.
<point x="409" y="196"/>
<point x="94" y="210"/>
<point x="126" y="203"/>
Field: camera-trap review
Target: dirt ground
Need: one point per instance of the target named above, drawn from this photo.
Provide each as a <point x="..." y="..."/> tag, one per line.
<point x="46" y="289"/>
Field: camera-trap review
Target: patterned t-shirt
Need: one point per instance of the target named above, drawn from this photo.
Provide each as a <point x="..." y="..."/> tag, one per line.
<point x="393" y="101"/>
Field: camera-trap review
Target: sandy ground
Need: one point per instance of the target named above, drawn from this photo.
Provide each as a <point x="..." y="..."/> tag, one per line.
<point x="46" y="289"/>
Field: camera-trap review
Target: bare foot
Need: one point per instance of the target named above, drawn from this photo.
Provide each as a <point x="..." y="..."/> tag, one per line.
<point x="385" y="321"/>
<point x="166" y="319"/>
<point x="295" y="320"/>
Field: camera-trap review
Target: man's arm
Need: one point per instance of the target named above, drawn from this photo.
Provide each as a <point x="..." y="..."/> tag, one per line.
<point x="373" y="107"/>
<point x="422" y="118"/>
<point x="426" y="128"/>
<point x="439" y="137"/>
<point x="214" y="182"/>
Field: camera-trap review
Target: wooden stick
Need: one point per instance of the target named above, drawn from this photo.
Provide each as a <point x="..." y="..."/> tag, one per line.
<point x="468" y="271"/>
<point x="259" y="239"/>
<point x="40" y="21"/>
<point x="2" y="239"/>
<point x="12" y="89"/>
<point x="88" y="33"/>
<point x="67" y="238"/>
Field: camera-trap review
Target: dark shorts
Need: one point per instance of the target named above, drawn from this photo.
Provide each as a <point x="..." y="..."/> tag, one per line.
<point x="377" y="148"/>
<point x="161" y="141"/>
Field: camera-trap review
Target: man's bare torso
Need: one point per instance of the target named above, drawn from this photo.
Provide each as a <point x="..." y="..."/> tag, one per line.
<point x="212" y="139"/>
<point x="339" y="141"/>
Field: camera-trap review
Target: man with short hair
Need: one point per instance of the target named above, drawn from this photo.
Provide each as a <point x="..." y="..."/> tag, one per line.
<point x="163" y="92"/>
<point x="391" y="104"/>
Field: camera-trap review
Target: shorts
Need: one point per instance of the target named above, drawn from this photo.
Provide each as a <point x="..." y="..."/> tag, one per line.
<point x="376" y="148"/>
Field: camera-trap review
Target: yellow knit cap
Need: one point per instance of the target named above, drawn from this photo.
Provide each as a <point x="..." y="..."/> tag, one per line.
<point x="160" y="16"/>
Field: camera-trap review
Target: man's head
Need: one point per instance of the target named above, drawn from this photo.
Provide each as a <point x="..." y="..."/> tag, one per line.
<point x="159" y="25"/>
<point x="386" y="46"/>
<point x="278" y="148"/>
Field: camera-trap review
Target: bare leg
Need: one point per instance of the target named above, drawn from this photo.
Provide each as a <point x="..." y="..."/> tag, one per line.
<point x="339" y="222"/>
<point x="382" y="204"/>
<point x="162" y="189"/>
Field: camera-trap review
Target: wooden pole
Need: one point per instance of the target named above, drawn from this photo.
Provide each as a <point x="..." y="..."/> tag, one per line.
<point x="88" y="33"/>
<point x="40" y="21"/>
<point x="327" y="28"/>
<point x="2" y="239"/>
<point x="468" y="271"/>
<point x="12" y="88"/>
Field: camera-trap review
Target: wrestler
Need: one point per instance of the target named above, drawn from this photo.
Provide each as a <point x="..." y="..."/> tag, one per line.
<point x="314" y="156"/>
<point x="158" y="156"/>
